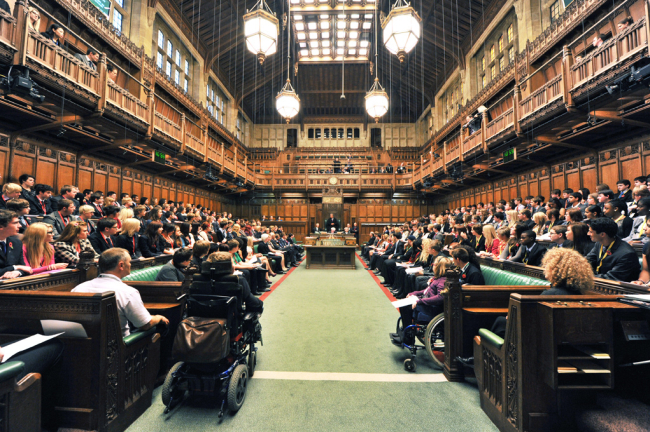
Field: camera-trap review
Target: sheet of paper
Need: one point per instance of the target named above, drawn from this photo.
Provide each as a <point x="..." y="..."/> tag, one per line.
<point x="642" y="297"/>
<point x="69" y="328"/>
<point x="408" y="301"/>
<point x="237" y="273"/>
<point x="25" y="344"/>
<point x="413" y="270"/>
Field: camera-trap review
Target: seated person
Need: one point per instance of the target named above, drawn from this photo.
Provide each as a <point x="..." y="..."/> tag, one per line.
<point x="104" y="237"/>
<point x="427" y="303"/>
<point x="39" y="203"/>
<point x="529" y="253"/>
<point x="9" y="191"/>
<point x="115" y="264"/>
<point x="624" y="24"/>
<point x="62" y="217"/>
<point x="254" y="274"/>
<point x="129" y="238"/>
<point x="12" y="262"/>
<point x="473" y="123"/>
<point x="611" y="258"/>
<point x="470" y="271"/>
<point x="71" y="242"/>
<point x="55" y="34"/>
<point x="199" y="252"/>
<point x="578" y="236"/>
<point x="152" y="243"/>
<point x="38" y="253"/>
<point x="568" y="272"/>
<point x="253" y="304"/>
<point x="21" y="207"/>
<point x="616" y="210"/>
<point x="172" y="271"/>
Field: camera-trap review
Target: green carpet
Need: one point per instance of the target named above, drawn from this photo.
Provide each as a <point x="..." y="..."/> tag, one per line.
<point x="332" y="321"/>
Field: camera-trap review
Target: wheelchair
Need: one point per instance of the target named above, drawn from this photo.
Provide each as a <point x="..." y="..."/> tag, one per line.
<point x="216" y="293"/>
<point x="431" y="335"/>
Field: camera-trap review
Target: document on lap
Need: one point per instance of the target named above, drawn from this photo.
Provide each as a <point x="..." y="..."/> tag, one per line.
<point x="408" y="301"/>
<point x="414" y="270"/>
<point x="25" y="344"/>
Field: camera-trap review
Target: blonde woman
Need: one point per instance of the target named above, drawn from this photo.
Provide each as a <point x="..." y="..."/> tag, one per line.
<point x="540" y="223"/>
<point x="124" y="214"/>
<point x="34" y="19"/>
<point x="512" y="216"/>
<point x="491" y="240"/>
<point x="38" y="253"/>
<point x="129" y="238"/>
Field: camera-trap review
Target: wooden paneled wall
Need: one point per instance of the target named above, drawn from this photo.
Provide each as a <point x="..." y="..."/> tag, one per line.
<point x="57" y="167"/>
<point x="627" y="161"/>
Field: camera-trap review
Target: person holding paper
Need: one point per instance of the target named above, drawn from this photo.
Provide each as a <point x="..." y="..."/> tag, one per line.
<point x="426" y="304"/>
<point x="115" y="264"/>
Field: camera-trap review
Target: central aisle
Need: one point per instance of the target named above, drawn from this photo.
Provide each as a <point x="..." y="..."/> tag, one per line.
<point x="327" y="364"/>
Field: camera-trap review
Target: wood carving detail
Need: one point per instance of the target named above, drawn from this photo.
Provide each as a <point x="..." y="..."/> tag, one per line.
<point x="512" y="373"/>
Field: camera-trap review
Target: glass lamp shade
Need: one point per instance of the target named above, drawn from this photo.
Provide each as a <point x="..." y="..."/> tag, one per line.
<point x="287" y="102"/>
<point x="401" y="30"/>
<point x="376" y="101"/>
<point x="261" y="32"/>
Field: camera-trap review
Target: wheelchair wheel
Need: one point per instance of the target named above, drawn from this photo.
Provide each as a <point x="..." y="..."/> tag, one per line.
<point x="409" y="365"/>
<point x="237" y="388"/>
<point x="252" y="362"/>
<point x="434" y="340"/>
<point x="173" y="388"/>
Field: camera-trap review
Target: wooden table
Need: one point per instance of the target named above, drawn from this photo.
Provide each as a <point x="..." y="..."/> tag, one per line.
<point x="340" y="257"/>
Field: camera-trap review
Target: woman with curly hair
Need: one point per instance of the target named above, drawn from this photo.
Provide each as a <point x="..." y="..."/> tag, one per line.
<point x="568" y="272"/>
<point x="71" y="242"/>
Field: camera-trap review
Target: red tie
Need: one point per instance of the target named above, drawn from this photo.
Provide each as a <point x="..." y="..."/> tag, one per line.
<point x="43" y="206"/>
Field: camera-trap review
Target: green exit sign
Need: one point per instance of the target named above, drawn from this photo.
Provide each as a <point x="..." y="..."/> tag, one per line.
<point x="159" y="156"/>
<point x="509" y="155"/>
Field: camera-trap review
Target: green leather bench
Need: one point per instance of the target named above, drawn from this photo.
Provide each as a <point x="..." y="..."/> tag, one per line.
<point x="144" y="275"/>
<point x="255" y="248"/>
<point x="495" y="276"/>
<point x="11" y="369"/>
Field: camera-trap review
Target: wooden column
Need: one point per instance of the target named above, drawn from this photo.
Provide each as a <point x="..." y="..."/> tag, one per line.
<point x="21" y="33"/>
<point x="183" y="134"/>
<point x="567" y="78"/>
<point x="102" y="83"/>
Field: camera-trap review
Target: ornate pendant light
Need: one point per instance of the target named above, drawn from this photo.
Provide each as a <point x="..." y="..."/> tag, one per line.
<point x="401" y="29"/>
<point x="287" y="101"/>
<point x="261" y="29"/>
<point x="376" y="98"/>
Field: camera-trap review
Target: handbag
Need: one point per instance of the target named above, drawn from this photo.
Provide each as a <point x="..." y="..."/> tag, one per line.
<point x="201" y="340"/>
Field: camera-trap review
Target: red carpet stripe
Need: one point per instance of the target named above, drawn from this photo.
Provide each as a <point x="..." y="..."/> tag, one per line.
<point x="277" y="284"/>
<point x="374" y="276"/>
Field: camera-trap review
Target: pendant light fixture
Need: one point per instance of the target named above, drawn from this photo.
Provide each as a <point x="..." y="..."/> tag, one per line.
<point x="376" y="98"/>
<point x="401" y="29"/>
<point x="261" y="29"/>
<point x="287" y="101"/>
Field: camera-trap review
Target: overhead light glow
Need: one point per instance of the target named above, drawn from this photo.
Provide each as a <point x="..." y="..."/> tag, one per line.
<point x="314" y="52"/>
<point x="363" y="52"/>
<point x="366" y="25"/>
<point x="313" y="44"/>
<point x="326" y="43"/>
<point x="325" y="35"/>
<point x="313" y="35"/>
<point x="300" y="26"/>
<point x="354" y="35"/>
<point x="364" y="44"/>
<point x="326" y="51"/>
<point x="325" y="25"/>
<point x="352" y="52"/>
<point x="311" y="25"/>
<point x="401" y="29"/>
<point x="352" y="43"/>
<point x="340" y="25"/>
<point x="340" y="35"/>
<point x="301" y="35"/>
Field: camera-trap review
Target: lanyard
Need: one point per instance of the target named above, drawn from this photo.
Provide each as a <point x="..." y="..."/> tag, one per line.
<point x="601" y="256"/>
<point x="642" y="229"/>
<point x="525" y="260"/>
<point x="43" y="206"/>
<point x="620" y="218"/>
<point x="65" y="222"/>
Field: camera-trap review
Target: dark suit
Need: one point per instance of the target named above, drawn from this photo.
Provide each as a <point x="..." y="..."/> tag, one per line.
<point x="86" y="61"/>
<point x="99" y="213"/>
<point x="57" y="223"/>
<point x="471" y="275"/>
<point x="36" y="206"/>
<point x="149" y="249"/>
<point x="627" y="196"/>
<point x="169" y="273"/>
<point x="14" y="255"/>
<point x="131" y="244"/>
<point x="478" y="244"/>
<point x="621" y="263"/>
<point x="329" y="223"/>
<point x="99" y="243"/>
<point x="625" y="227"/>
<point x="532" y="257"/>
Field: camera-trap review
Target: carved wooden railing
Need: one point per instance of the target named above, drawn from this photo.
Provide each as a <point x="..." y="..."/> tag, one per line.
<point x="163" y="124"/>
<point x="7" y="29"/>
<point x="213" y="152"/>
<point x="612" y="52"/>
<point x="502" y="122"/>
<point x="473" y="141"/>
<point x="97" y="22"/>
<point x="193" y="138"/>
<point x="546" y="94"/>
<point x="60" y="62"/>
<point x="128" y="102"/>
<point x="453" y="149"/>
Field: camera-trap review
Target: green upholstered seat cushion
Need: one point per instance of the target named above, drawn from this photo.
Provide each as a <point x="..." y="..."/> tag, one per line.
<point x="495" y="276"/>
<point x="143" y="275"/>
<point x="490" y="338"/>
<point x="11" y="369"/>
<point x="255" y="248"/>
<point x="138" y="335"/>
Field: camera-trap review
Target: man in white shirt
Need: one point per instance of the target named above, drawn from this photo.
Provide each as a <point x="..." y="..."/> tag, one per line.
<point x="114" y="264"/>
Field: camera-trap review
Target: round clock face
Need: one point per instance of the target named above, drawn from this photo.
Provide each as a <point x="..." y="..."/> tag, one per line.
<point x="333" y="180"/>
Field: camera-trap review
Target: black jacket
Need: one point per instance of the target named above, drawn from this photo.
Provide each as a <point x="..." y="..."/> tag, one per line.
<point x="625" y="226"/>
<point x="131" y="244"/>
<point x="627" y="196"/>
<point x="621" y="263"/>
<point x="478" y="244"/>
<point x="169" y="273"/>
<point x="149" y="249"/>
<point x="263" y="248"/>
<point x="99" y="244"/>
<point x="533" y="258"/>
<point x="14" y="255"/>
<point x="471" y="276"/>
<point x="35" y="207"/>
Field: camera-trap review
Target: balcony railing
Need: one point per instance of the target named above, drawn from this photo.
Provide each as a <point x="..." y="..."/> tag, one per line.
<point x="541" y="97"/>
<point x="501" y="123"/>
<point x="7" y="27"/>
<point x="473" y="141"/>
